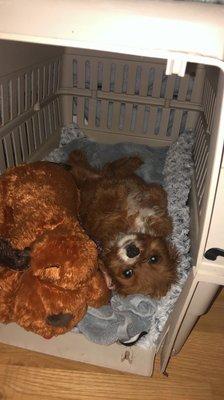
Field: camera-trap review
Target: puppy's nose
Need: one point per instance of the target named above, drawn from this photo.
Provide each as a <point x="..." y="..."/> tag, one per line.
<point x="132" y="250"/>
<point x="59" y="320"/>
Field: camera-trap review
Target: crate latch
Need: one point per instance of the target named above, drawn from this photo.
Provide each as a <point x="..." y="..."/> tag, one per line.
<point x="176" y="66"/>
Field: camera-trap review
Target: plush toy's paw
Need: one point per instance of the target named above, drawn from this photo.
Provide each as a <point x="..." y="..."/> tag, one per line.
<point x="8" y="284"/>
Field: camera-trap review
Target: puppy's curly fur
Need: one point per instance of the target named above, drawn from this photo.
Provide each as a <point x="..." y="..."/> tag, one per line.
<point x="130" y="220"/>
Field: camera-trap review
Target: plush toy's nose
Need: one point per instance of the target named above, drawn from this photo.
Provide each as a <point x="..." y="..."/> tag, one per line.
<point x="59" y="320"/>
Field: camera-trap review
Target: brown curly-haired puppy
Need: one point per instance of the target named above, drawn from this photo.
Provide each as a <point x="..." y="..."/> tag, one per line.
<point x="129" y="219"/>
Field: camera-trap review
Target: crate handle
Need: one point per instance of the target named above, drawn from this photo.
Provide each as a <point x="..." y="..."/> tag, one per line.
<point x="213" y="253"/>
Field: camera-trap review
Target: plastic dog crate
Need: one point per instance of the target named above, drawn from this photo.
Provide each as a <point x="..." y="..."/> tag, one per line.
<point x="125" y="71"/>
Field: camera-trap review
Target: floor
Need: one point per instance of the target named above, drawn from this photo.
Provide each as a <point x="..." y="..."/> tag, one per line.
<point x="195" y="373"/>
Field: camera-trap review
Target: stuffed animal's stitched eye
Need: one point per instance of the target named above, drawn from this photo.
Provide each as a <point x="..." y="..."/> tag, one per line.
<point x="53" y="266"/>
<point x="153" y="259"/>
<point x="128" y="273"/>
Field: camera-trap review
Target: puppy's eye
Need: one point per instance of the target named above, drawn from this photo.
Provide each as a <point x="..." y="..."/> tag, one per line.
<point x="128" y="273"/>
<point x="153" y="259"/>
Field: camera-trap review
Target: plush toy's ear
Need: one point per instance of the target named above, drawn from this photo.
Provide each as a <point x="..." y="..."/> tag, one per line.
<point x="15" y="259"/>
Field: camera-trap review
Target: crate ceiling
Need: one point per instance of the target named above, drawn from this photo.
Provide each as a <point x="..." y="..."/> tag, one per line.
<point x="149" y="28"/>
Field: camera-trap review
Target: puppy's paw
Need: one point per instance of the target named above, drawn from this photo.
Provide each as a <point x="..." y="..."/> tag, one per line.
<point x="123" y="167"/>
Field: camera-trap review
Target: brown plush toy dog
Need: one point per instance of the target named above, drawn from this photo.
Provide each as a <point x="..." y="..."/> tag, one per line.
<point x="48" y="266"/>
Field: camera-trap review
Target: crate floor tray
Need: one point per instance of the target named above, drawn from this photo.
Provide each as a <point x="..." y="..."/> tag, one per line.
<point x="135" y="360"/>
<point x="173" y="168"/>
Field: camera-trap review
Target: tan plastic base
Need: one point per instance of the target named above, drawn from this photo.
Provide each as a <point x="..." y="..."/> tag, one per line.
<point x="134" y="360"/>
